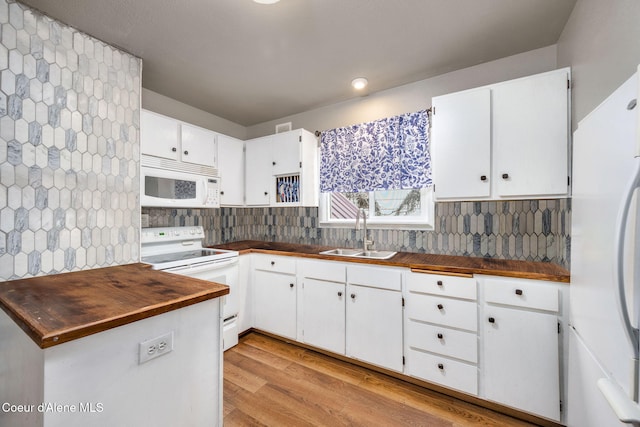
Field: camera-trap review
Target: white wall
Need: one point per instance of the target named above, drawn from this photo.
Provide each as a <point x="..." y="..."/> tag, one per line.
<point x="170" y="107"/>
<point x="601" y="43"/>
<point x="415" y="96"/>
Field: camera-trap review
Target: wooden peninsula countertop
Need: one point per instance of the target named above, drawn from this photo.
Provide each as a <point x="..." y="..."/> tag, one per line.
<point x="417" y="261"/>
<point x="63" y="307"/>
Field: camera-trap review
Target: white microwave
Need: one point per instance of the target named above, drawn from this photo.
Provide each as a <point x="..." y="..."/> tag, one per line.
<point x="169" y="188"/>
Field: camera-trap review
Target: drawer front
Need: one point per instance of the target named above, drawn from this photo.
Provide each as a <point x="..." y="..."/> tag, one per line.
<point x="443" y="311"/>
<point x="278" y="264"/>
<point x="376" y="277"/>
<point x="444" y="371"/>
<point x="519" y="293"/>
<point x="329" y="271"/>
<point x="445" y="341"/>
<point x="436" y="284"/>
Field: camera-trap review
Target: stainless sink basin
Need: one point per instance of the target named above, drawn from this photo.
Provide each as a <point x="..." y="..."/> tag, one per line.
<point x="343" y="252"/>
<point x="359" y="253"/>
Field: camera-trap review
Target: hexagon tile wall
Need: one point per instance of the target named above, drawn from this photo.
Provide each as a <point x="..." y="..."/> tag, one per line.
<point x="69" y="148"/>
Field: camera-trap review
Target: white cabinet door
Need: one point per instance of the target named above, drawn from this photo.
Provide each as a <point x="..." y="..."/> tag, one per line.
<point x="461" y="144"/>
<point x="286" y="153"/>
<point x="521" y="364"/>
<point x="198" y="146"/>
<point x="231" y="169"/>
<point x="530" y="134"/>
<point x="275" y="303"/>
<point x="159" y="135"/>
<point x="374" y="326"/>
<point x="258" y="177"/>
<point x="324" y="314"/>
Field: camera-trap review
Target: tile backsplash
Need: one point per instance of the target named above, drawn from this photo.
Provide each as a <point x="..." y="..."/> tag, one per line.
<point x="530" y="230"/>
<point x="69" y="148"/>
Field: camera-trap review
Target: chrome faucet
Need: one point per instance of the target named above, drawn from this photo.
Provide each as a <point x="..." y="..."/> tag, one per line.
<point x="365" y="241"/>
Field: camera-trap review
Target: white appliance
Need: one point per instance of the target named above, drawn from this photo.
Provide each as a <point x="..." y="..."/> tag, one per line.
<point x="179" y="250"/>
<point x="604" y="302"/>
<point x="178" y="189"/>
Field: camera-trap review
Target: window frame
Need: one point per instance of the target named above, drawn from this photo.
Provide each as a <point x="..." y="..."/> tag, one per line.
<point x="424" y="222"/>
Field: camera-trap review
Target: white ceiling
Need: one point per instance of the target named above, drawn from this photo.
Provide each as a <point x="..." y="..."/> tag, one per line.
<point x="250" y="63"/>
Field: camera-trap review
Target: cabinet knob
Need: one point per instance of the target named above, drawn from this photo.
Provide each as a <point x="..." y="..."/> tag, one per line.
<point x="440" y="306"/>
<point x="291" y="285"/>
<point x="441" y="366"/>
<point x="518" y="291"/>
<point x="492" y="320"/>
<point x="440" y="336"/>
<point x="186" y="153"/>
<point x="273" y="163"/>
<point x="439" y="282"/>
<point x="265" y="193"/>
<point x="339" y="294"/>
<point x="273" y="263"/>
<point x="222" y="193"/>
<point x="483" y="177"/>
<point x="174" y="149"/>
<point x="505" y="176"/>
<point x="353" y="296"/>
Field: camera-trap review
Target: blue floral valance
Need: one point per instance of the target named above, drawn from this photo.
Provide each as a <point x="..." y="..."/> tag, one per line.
<point x="387" y="154"/>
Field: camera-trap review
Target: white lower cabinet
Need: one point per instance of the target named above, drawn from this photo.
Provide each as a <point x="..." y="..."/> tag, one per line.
<point x="274" y="291"/>
<point x="374" y="316"/>
<point x="441" y="330"/>
<point x="521" y="324"/>
<point x="323" y="304"/>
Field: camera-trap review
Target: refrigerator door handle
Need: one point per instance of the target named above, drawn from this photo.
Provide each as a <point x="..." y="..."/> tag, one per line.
<point x="623" y="216"/>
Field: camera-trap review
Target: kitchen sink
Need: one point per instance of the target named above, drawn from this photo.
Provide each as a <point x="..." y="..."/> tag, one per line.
<point x="359" y="253"/>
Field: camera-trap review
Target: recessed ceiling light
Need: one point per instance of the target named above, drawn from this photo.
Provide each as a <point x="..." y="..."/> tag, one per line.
<point x="359" y="83"/>
<point x="266" y="1"/>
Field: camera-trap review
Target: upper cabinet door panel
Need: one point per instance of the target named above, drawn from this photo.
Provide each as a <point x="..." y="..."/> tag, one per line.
<point x="286" y="153"/>
<point x="231" y="170"/>
<point x="159" y="135"/>
<point x="198" y="146"/>
<point x="530" y="134"/>
<point x="461" y="144"/>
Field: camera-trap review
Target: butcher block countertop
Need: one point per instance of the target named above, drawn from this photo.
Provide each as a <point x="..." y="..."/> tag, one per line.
<point x="428" y="263"/>
<point x="63" y="307"/>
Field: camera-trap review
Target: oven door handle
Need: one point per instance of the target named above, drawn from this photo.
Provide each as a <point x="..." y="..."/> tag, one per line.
<point x="205" y="266"/>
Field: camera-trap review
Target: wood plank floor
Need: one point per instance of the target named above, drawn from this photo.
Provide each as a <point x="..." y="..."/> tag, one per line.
<point x="271" y="383"/>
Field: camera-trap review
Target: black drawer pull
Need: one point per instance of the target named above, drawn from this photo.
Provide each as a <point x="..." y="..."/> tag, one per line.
<point x="440" y="306"/>
<point x="353" y="296"/>
<point x="291" y="285"/>
<point x="518" y="291"/>
<point x="440" y="336"/>
<point x="439" y="283"/>
<point x="441" y="366"/>
<point x="492" y="320"/>
<point x="483" y="178"/>
<point x="339" y="294"/>
<point x="505" y="176"/>
<point x="273" y="263"/>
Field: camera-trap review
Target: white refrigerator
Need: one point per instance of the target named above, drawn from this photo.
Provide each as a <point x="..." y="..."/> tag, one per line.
<point x="603" y="341"/>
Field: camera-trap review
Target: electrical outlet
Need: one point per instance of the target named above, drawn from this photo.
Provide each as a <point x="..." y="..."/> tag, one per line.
<point x="155" y="347"/>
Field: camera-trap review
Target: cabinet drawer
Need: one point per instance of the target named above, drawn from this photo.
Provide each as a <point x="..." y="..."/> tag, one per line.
<point x="278" y="264"/>
<point x="445" y="341"/>
<point x="441" y="370"/>
<point x="376" y="277"/>
<point x="329" y="271"/>
<point x="519" y="293"/>
<point x="452" y="286"/>
<point x="443" y="311"/>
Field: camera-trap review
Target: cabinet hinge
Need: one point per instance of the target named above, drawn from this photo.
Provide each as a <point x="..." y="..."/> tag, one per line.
<point x="568" y="181"/>
<point x="558" y="327"/>
<point x="561" y="408"/>
<point x="300" y="138"/>
<point x="403" y="360"/>
<point x="433" y="110"/>
<point x="568" y="83"/>
<point x="300" y="164"/>
<point x="403" y="301"/>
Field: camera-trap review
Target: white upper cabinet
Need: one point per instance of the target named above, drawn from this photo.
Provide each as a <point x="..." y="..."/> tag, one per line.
<point x="198" y="146"/>
<point x="468" y="145"/>
<point x="168" y="138"/>
<point x="504" y="141"/>
<point x="159" y="135"/>
<point x="282" y="170"/>
<point x="231" y="170"/>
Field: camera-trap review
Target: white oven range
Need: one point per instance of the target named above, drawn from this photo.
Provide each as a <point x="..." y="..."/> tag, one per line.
<point x="179" y="250"/>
